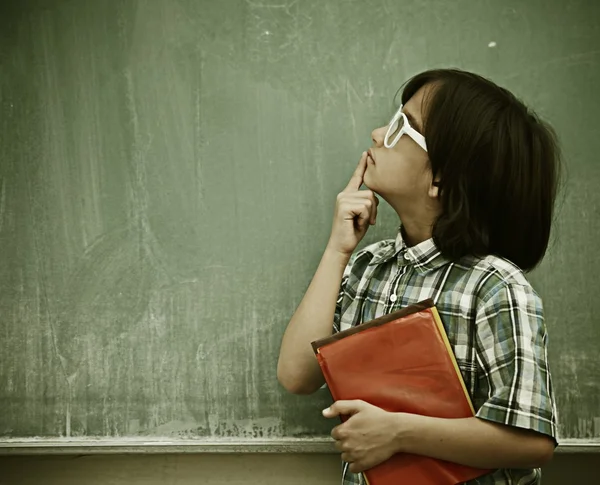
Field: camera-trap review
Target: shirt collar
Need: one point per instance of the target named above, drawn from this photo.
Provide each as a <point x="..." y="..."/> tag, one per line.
<point x="425" y="256"/>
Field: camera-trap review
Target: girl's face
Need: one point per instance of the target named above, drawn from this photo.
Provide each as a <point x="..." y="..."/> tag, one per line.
<point x="401" y="175"/>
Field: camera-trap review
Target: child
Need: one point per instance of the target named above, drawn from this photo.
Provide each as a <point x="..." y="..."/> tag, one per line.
<point x="473" y="180"/>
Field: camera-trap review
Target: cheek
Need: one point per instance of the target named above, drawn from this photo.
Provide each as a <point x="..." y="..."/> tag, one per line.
<point x="385" y="177"/>
<point x="404" y="175"/>
<point x="398" y="170"/>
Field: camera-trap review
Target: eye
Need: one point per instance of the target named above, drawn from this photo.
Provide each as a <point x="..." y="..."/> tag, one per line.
<point x="396" y="126"/>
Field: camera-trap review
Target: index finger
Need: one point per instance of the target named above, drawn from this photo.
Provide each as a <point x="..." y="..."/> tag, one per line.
<point x="357" y="177"/>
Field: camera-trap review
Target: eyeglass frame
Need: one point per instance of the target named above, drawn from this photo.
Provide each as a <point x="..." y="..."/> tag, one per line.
<point x="406" y="129"/>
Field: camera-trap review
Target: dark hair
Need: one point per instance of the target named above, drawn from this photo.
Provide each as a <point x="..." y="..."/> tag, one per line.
<point x="498" y="166"/>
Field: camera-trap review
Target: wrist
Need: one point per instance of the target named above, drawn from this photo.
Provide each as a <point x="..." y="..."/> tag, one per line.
<point x="406" y="430"/>
<point x="337" y="256"/>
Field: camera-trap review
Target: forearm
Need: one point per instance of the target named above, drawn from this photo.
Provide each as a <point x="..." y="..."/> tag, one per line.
<point x="297" y="369"/>
<point x="473" y="442"/>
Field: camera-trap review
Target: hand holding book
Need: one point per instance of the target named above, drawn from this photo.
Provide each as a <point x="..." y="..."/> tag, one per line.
<point x="368" y="437"/>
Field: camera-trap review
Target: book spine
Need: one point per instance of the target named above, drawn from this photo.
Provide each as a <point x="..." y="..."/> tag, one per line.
<point x="451" y="357"/>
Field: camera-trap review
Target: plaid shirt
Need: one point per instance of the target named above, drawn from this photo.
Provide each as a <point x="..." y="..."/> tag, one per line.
<point x="494" y="321"/>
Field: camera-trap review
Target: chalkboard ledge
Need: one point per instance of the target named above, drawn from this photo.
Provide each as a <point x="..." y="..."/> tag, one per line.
<point x="66" y="446"/>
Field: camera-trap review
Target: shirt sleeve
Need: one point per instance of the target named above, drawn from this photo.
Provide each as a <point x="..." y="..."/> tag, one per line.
<point x="511" y="346"/>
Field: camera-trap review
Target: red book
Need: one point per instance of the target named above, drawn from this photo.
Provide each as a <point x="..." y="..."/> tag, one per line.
<point x="401" y="362"/>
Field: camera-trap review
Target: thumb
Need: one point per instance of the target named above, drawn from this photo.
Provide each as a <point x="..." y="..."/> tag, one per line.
<point x="346" y="408"/>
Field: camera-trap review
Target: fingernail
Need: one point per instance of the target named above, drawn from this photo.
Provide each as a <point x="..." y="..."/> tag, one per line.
<point x="326" y="411"/>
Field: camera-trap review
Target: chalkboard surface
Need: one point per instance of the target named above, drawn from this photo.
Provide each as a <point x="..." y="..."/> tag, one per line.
<point x="168" y="171"/>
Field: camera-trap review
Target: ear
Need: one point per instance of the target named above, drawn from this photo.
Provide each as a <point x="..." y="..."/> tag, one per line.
<point x="434" y="188"/>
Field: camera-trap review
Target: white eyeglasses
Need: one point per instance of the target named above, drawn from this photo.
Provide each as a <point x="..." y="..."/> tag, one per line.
<point x="400" y="126"/>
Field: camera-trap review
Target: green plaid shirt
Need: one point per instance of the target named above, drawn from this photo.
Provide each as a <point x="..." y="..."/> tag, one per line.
<point x="494" y="321"/>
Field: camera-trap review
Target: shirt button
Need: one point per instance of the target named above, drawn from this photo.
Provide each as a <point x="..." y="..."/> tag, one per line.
<point x="407" y="256"/>
<point x="393" y="298"/>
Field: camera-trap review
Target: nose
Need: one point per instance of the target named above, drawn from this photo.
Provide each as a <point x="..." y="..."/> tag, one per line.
<point x="378" y="135"/>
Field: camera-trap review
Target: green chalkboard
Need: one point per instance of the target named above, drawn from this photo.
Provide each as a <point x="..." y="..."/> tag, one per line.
<point x="168" y="171"/>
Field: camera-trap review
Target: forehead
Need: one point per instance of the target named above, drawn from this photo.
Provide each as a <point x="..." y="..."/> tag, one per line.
<point x="416" y="105"/>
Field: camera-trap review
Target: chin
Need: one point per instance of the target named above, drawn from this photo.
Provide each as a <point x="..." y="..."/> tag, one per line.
<point x="372" y="185"/>
<point x="368" y="182"/>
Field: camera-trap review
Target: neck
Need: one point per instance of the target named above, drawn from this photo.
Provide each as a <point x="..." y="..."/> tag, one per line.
<point x="415" y="232"/>
<point x="417" y="222"/>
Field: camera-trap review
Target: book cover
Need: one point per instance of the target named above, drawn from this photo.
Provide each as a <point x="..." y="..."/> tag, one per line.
<point x="401" y="362"/>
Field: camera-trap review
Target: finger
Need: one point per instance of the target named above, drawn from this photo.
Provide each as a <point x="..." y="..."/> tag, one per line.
<point x="339" y="445"/>
<point x="347" y="457"/>
<point x="354" y="202"/>
<point x="357" y="177"/>
<point x="359" y="214"/>
<point x="344" y="408"/>
<point x="360" y="197"/>
<point x="374" y="211"/>
<point x="363" y="220"/>
<point x="356" y="467"/>
<point x="352" y="206"/>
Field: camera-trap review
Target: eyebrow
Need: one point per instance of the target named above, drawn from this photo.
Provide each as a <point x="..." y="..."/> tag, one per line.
<point x="412" y="121"/>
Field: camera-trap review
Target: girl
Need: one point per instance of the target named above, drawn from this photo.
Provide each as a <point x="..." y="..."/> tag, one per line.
<point x="472" y="174"/>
